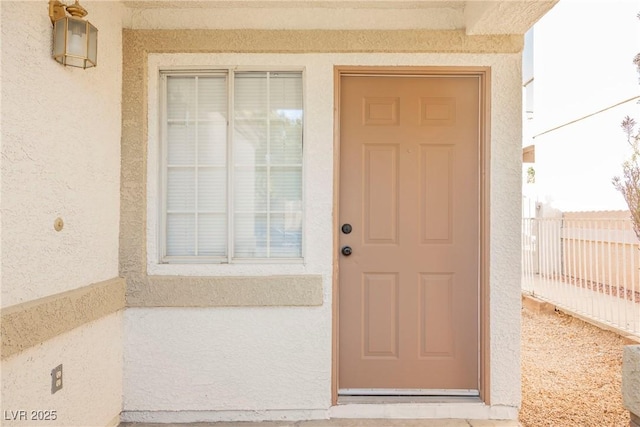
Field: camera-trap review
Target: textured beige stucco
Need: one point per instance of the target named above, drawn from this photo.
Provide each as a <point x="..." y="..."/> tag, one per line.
<point x="319" y="41"/>
<point x="631" y="378"/>
<point x="92" y="364"/>
<point x="504" y="17"/>
<point x="473" y="16"/>
<point x="172" y="291"/>
<point x="28" y="324"/>
<point x="60" y="132"/>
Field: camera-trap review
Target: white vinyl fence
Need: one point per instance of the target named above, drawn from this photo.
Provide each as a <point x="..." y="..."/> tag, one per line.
<point x="587" y="263"/>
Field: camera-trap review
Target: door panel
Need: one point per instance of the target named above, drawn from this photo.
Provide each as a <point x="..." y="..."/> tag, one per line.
<point x="380" y="323"/>
<point x="409" y="186"/>
<point x="436" y="168"/>
<point x="436" y="315"/>
<point x="380" y="187"/>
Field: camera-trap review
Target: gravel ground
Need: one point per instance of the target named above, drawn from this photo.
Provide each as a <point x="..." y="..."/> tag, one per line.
<point x="571" y="373"/>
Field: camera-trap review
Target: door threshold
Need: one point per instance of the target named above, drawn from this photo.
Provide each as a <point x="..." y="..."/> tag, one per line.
<point x="378" y="400"/>
<point x="408" y="392"/>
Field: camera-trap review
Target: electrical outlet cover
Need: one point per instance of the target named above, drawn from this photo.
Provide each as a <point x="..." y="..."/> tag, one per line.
<point x="56" y="379"/>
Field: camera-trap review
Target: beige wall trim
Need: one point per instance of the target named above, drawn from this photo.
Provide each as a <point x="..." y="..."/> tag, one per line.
<point x="325" y="41"/>
<point x="133" y="187"/>
<point x="31" y="323"/>
<point x="114" y="422"/>
<point x="183" y="291"/>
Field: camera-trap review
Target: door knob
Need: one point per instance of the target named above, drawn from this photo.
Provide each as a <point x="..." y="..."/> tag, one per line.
<point x="346" y="250"/>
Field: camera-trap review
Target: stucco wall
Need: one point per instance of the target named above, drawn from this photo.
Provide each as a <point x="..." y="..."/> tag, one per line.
<point x="60" y="156"/>
<point x="631" y="380"/>
<point x="218" y="361"/>
<point x="91" y="395"/>
<point x="304" y="16"/>
<point x="60" y="135"/>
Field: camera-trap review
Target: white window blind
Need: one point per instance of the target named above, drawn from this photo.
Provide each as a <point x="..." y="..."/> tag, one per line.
<point x="264" y="181"/>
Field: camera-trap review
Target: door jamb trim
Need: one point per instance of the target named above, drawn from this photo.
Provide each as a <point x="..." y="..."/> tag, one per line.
<point x="484" y="74"/>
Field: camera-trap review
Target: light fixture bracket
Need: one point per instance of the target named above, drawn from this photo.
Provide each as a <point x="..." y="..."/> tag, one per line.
<point x="58" y="10"/>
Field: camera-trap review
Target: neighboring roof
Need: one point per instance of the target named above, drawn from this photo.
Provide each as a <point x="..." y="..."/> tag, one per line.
<point x="529" y="154"/>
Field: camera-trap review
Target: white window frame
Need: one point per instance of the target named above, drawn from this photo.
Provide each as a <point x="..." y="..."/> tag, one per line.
<point x="229" y="72"/>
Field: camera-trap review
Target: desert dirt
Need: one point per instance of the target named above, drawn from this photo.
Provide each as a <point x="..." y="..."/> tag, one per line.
<point x="571" y="373"/>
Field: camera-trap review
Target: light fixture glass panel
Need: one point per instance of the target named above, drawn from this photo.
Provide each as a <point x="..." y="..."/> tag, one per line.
<point x="59" y="29"/>
<point x="72" y="61"/>
<point x="77" y="38"/>
<point x="93" y="45"/>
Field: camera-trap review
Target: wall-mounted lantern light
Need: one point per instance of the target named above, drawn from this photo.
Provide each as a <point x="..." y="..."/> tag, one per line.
<point x="75" y="41"/>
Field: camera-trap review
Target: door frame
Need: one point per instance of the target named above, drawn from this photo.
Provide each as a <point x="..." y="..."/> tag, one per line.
<point x="484" y="75"/>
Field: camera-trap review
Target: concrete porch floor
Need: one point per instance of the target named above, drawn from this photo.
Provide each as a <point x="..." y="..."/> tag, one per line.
<point x="344" y="422"/>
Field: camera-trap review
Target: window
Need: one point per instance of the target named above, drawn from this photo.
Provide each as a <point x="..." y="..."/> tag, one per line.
<point x="231" y="183"/>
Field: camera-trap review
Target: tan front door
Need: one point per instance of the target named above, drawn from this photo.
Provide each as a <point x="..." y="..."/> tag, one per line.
<point x="409" y="188"/>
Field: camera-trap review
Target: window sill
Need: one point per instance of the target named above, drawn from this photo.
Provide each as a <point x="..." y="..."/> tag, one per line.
<point x="223" y="261"/>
